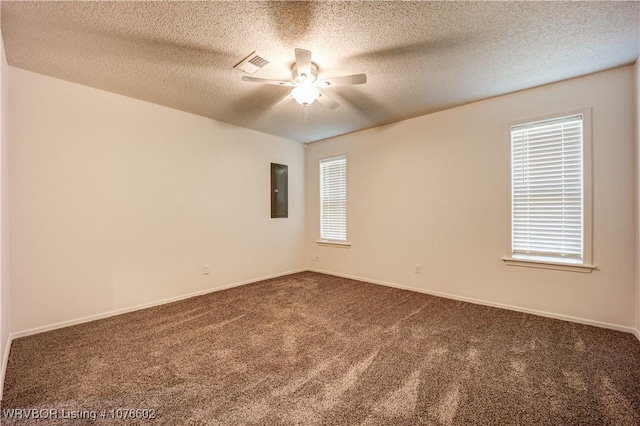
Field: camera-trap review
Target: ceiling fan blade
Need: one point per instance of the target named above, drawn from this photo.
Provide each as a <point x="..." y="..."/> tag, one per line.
<point x="346" y="80"/>
<point x="303" y="62"/>
<point x="283" y="101"/>
<point x="266" y="81"/>
<point x="327" y="101"/>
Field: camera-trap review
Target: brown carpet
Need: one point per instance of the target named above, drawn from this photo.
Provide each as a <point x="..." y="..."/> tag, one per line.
<point x="313" y="349"/>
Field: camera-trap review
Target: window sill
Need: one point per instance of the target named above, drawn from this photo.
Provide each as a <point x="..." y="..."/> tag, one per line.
<point x="543" y="264"/>
<point x="342" y="244"/>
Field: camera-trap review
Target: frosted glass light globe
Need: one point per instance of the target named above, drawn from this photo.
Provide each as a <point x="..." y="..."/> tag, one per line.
<point x="305" y="94"/>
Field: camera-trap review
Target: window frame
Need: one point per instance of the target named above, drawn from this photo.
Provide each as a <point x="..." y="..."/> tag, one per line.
<point x="586" y="265"/>
<point x="325" y="241"/>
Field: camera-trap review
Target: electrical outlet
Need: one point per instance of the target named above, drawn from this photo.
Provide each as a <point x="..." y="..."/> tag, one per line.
<point x="205" y="270"/>
<point x="315" y="258"/>
<point x="418" y="268"/>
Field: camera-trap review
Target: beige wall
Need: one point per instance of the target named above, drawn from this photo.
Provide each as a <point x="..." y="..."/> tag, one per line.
<point x="637" y="69"/>
<point x="5" y="307"/>
<point x="432" y="191"/>
<point x="118" y="202"/>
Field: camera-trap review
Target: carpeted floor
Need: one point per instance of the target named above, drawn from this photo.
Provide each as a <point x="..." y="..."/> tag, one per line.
<point x="313" y="349"/>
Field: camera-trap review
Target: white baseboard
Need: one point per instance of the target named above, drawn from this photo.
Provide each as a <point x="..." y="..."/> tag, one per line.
<point x="5" y="361"/>
<point x="63" y="324"/>
<point x="36" y="330"/>
<point x="68" y="323"/>
<point x="487" y="303"/>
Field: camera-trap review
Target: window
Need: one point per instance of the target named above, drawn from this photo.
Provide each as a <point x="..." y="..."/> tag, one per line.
<point x="333" y="199"/>
<point x="549" y="197"/>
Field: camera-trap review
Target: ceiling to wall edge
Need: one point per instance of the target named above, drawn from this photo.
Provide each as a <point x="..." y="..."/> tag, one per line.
<point x="412" y="117"/>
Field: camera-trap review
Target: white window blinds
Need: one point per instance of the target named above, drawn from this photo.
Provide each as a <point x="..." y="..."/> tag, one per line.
<point x="547" y="189"/>
<point x="333" y="198"/>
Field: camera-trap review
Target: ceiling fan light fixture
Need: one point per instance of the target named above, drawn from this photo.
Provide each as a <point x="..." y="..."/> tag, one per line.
<point x="305" y="83"/>
<point x="305" y="94"/>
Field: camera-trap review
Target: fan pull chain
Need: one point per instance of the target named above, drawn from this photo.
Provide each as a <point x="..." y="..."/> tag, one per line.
<point x="306" y="124"/>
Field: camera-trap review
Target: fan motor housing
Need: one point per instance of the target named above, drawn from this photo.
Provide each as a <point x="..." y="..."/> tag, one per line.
<point x="297" y="78"/>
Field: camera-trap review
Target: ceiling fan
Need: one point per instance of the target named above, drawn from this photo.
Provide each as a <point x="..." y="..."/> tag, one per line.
<point x="305" y="83"/>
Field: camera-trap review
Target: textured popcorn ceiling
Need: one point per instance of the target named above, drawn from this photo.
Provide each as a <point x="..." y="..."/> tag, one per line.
<point x="419" y="57"/>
